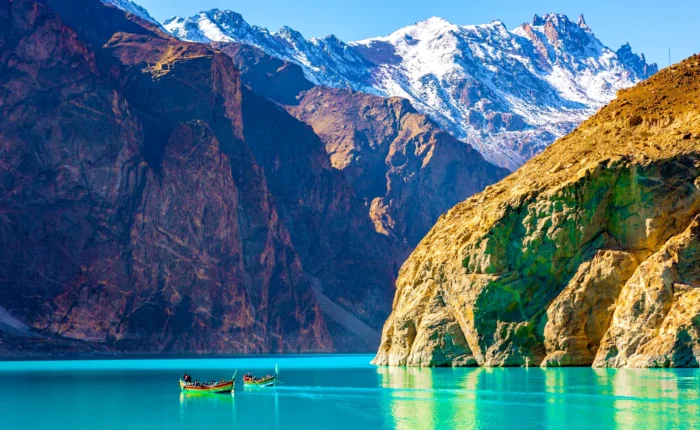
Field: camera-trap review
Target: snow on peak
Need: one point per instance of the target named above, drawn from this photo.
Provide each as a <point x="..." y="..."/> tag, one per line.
<point x="133" y="8"/>
<point x="581" y="22"/>
<point x="509" y="93"/>
<point x="434" y="22"/>
<point x="326" y="61"/>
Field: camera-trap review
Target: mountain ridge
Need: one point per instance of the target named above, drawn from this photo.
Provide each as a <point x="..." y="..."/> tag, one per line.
<point x="507" y="93"/>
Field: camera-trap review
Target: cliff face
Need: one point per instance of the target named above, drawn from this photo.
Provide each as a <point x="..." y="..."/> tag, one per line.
<point x="393" y="160"/>
<point x="587" y="255"/>
<point x="352" y="266"/>
<point x="134" y="212"/>
<point x="407" y="169"/>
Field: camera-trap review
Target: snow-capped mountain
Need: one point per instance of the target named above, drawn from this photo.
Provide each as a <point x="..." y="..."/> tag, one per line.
<point x="327" y="61"/>
<point x="509" y="93"/>
<point x="132" y="7"/>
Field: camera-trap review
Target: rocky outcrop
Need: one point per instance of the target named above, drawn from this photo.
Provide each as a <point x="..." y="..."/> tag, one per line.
<point x="587" y="255"/>
<point x="655" y="323"/>
<point x="395" y="158"/>
<point x="580" y="315"/>
<point x="135" y="216"/>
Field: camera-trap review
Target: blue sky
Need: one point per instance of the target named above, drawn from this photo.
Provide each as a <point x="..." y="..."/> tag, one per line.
<point x="650" y="26"/>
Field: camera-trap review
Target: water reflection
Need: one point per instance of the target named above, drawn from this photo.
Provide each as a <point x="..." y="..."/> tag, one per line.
<point x="193" y="406"/>
<point x="650" y="398"/>
<point x="538" y="398"/>
<point x="360" y="397"/>
<point x="429" y="398"/>
<point x="412" y="403"/>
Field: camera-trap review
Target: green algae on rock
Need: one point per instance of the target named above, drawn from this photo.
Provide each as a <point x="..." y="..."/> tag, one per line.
<point x="558" y="263"/>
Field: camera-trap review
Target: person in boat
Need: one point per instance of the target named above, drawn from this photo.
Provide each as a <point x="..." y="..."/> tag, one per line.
<point x="187" y="378"/>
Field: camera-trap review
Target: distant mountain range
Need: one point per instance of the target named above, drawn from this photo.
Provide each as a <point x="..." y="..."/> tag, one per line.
<point x="508" y="93"/>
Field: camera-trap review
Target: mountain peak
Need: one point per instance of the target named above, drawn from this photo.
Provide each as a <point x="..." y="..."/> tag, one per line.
<point x="547" y="67"/>
<point x="289" y="33"/>
<point x="636" y="63"/>
<point x="131" y="7"/>
<point x="227" y="14"/>
<point x="433" y="22"/>
<point x="556" y="19"/>
<point x="582" y="22"/>
<point x="436" y="20"/>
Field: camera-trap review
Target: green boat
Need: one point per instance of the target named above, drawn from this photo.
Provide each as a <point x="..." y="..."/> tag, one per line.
<point x="266" y="381"/>
<point x="222" y="387"/>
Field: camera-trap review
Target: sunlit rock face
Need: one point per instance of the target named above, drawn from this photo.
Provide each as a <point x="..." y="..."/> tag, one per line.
<point x="587" y="255"/>
<point x="655" y="323"/>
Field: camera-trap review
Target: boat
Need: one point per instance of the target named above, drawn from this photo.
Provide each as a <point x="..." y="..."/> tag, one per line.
<point x="222" y="387"/>
<point x="266" y="381"/>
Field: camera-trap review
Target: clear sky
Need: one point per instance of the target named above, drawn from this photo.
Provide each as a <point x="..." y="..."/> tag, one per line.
<point x="650" y="26"/>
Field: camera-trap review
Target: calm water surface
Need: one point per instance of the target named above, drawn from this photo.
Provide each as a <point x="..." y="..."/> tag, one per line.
<point x="342" y="392"/>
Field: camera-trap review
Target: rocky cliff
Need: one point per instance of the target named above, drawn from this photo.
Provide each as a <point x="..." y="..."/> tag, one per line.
<point x="587" y="255"/>
<point x="407" y="169"/>
<point x="137" y="213"/>
<point x="154" y="203"/>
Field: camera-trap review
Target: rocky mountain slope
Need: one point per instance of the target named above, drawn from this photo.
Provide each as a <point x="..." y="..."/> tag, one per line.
<point x="587" y="255"/>
<point x="132" y="8"/>
<point x="393" y="157"/>
<point x="151" y="203"/>
<point x="509" y="93"/>
<point x="407" y="169"/>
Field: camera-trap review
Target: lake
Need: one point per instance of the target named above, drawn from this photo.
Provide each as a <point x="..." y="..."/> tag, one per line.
<point x="342" y="392"/>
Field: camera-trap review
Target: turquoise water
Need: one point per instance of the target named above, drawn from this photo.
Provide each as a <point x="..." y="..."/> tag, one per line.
<point x="342" y="392"/>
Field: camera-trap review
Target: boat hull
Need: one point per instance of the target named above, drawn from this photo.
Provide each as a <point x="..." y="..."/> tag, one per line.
<point x="270" y="382"/>
<point x="225" y="387"/>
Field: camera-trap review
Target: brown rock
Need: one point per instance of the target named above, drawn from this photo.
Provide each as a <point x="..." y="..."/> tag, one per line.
<point x="656" y="320"/>
<point x="394" y="158"/>
<point x="524" y="262"/>
<point x="579" y="317"/>
<point x="134" y="214"/>
<point x="391" y="153"/>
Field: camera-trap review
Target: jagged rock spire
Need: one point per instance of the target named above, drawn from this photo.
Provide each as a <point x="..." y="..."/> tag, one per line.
<point x="582" y="21"/>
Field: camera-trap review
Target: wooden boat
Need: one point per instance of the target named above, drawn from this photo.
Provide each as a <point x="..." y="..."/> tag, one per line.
<point x="223" y="387"/>
<point x="263" y="382"/>
<point x="268" y="381"/>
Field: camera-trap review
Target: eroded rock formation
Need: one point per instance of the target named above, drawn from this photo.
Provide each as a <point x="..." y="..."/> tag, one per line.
<point x="587" y="255"/>
<point x="135" y="216"/>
